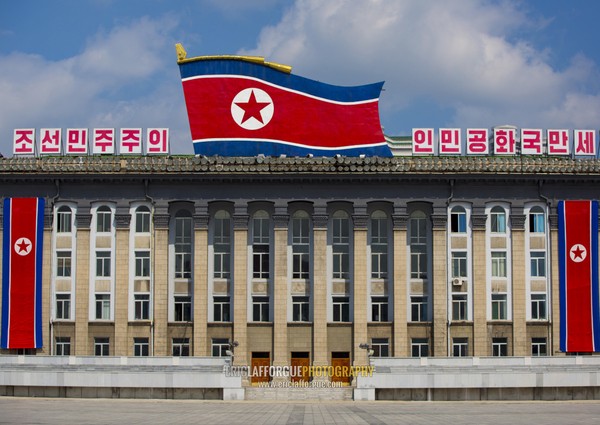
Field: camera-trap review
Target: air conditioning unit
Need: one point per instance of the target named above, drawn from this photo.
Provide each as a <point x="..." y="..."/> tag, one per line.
<point x="457" y="281"/>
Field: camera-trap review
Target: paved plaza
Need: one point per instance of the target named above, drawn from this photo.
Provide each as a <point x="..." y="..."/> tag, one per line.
<point x="145" y="412"/>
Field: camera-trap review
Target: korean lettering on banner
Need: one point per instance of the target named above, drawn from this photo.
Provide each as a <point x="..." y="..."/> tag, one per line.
<point x="423" y="141"/>
<point x="477" y="141"/>
<point x="531" y="141"/>
<point x="157" y="141"/>
<point x="504" y="141"/>
<point x="584" y="142"/>
<point x="77" y="141"/>
<point x="131" y="141"/>
<point x="50" y="141"/>
<point x="558" y="142"/>
<point x="450" y="141"/>
<point x="24" y="141"/>
<point x="103" y="141"/>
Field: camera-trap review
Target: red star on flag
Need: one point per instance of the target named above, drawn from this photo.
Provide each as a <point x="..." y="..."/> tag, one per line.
<point x="23" y="246"/>
<point x="578" y="252"/>
<point x="252" y="108"/>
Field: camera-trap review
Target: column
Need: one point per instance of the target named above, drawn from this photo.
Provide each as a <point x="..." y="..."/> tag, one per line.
<point x="121" y="290"/>
<point x="82" y="283"/>
<point x="359" y="285"/>
<point x="160" y="253"/>
<point x="319" y="295"/>
<point x="280" y="290"/>
<point x="46" y="280"/>
<point x="439" y="220"/>
<point x="201" y="346"/>
<point x="240" y="284"/>
<point x="400" y="280"/>
<point x="479" y="284"/>
<point x="519" y="282"/>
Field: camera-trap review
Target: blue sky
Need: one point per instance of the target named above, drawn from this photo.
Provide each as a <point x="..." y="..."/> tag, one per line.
<point x="461" y="63"/>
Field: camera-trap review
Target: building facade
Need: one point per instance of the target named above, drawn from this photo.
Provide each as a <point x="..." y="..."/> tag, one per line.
<point x="298" y="261"/>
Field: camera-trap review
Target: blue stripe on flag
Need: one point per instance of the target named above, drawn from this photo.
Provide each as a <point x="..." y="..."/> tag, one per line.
<point x="39" y="247"/>
<point x="562" y="278"/>
<point x="594" y="260"/>
<point x="5" y="273"/>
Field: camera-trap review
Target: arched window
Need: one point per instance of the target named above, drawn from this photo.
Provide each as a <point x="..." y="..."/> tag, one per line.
<point x="458" y="220"/>
<point x="498" y="220"/>
<point x="142" y="220"/>
<point x="341" y="245"/>
<point x="222" y="245"/>
<point x="64" y="217"/>
<point x="418" y="245"/>
<point x="537" y="222"/>
<point x="103" y="219"/>
<point x="300" y="245"/>
<point x="183" y="245"/>
<point x="261" y="235"/>
<point x="379" y="245"/>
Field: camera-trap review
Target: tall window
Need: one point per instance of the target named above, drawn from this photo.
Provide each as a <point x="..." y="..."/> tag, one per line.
<point x="379" y="309"/>
<point x="222" y="245"/>
<point x="183" y="308"/>
<point x="300" y="308"/>
<point x="341" y="245"/>
<point x="300" y="245"/>
<point x="459" y="306"/>
<point x="142" y="264"/>
<point x="459" y="264"/>
<point x="498" y="220"/>
<point x="538" y="263"/>
<point x="418" y="245"/>
<point x="103" y="219"/>
<point x="499" y="264"/>
<point x="63" y="306"/>
<point x="537" y="220"/>
<point x="103" y="306"/>
<point x="418" y="308"/>
<point x="499" y="307"/>
<point x="538" y="306"/>
<point x="103" y="263"/>
<point x="341" y="309"/>
<point x="222" y="308"/>
<point x="379" y="245"/>
<point x="141" y="306"/>
<point x="64" y="218"/>
<point x="458" y="220"/>
<point x="261" y="240"/>
<point x="183" y="245"/>
<point x="63" y="263"/>
<point x="260" y="309"/>
<point x="142" y="220"/>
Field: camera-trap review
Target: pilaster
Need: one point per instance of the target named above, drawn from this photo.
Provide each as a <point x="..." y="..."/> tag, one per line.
<point x="439" y="222"/>
<point x="280" y="290"/>
<point x="200" y="305"/>
<point x="161" y="282"/>
<point x="360" y="293"/>
<point x="519" y="290"/>
<point x="400" y="282"/>
<point x="240" y="285"/>
<point x="82" y="284"/>
<point x="479" y="285"/>
<point x="319" y="298"/>
<point x="122" y="221"/>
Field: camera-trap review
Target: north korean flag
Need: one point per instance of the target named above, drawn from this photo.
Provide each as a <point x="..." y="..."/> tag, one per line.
<point x="243" y="108"/>
<point x="22" y="273"/>
<point x="578" y="276"/>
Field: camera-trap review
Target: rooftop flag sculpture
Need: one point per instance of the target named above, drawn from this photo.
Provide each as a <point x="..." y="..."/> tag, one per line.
<point x="245" y="106"/>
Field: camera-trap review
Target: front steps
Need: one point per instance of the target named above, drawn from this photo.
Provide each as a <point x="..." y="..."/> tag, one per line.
<point x="300" y="393"/>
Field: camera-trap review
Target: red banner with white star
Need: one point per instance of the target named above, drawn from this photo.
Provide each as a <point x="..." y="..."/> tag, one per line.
<point x="22" y="273"/>
<point x="578" y="276"/>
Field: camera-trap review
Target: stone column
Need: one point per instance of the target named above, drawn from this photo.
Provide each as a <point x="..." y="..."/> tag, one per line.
<point x="82" y="283"/>
<point x="400" y="281"/>
<point x="553" y="298"/>
<point x="160" y="262"/>
<point x="280" y="290"/>
<point x="439" y="221"/>
<point x="519" y="281"/>
<point x="479" y="285"/>
<point x="121" y="289"/>
<point x="240" y="284"/>
<point x="200" y="306"/>
<point x="319" y="295"/>
<point x="46" y="280"/>
<point x="360" y="292"/>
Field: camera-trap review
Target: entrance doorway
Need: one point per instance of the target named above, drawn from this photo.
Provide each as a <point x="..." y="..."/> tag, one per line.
<point x="300" y="363"/>
<point x="261" y="361"/>
<point x="340" y="360"/>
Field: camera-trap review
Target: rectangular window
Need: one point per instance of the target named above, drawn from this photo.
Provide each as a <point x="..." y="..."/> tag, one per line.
<point x="63" y="306"/>
<point x="222" y="246"/>
<point x="142" y="264"/>
<point x="538" y="347"/>
<point x="63" y="264"/>
<point x="300" y="309"/>
<point x="460" y="347"/>
<point x="418" y="308"/>
<point x="181" y="347"/>
<point x="103" y="263"/>
<point x="300" y="248"/>
<point x="536" y="222"/>
<point x="498" y="222"/>
<point x="499" y="347"/>
<point x="538" y="263"/>
<point x="104" y="218"/>
<point x="380" y="347"/>
<point x="63" y="218"/>
<point x="101" y="346"/>
<point x="459" y="307"/>
<point x="62" y="346"/>
<point x="341" y="248"/>
<point x="379" y="262"/>
<point x="142" y="306"/>
<point x="260" y="309"/>
<point x="458" y="221"/>
<point x="499" y="264"/>
<point x="219" y="347"/>
<point x="142" y="220"/>
<point x="419" y="347"/>
<point x="499" y="307"/>
<point x="260" y="259"/>
<point x="103" y="306"/>
<point x="221" y="309"/>
<point x="538" y="306"/>
<point x="141" y="347"/>
<point x="183" y="308"/>
<point x="183" y="247"/>
<point x="379" y="309"/>
<point x="418" y="261"/>
<point x="341" y="309"/>
<point x="459" y="264"/>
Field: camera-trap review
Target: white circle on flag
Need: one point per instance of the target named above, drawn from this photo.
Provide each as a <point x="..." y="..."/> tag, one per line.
<point x="23" y="246"/>
<point x="252" y="108"/>
<point x="578" y="253"/>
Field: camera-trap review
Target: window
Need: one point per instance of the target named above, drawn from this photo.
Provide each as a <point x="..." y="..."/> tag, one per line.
<point x="219" y="347"/>
<point x="459" y="264"/>
<point x="379" y="245"/>
<point x="536" y="220"/>
<point x="458" y="220"/>
<point x="64" y="218"/>
<point x="222" y="245"/>
<point x="103" y="263"/>
<point x="101" y="346"/>
<point x="300" y="245"/>
<point x="538" y="263"/>
<point x="181" y="347"/>
<point x="498" y="220"/>
<point x="341" y="309"/>
<point x="103" y="220"/>
<point x="142" y="220"/>
<point x="538" y="347"/>
<point x="260" y="309"/>
<point x="499" y="264"/>
<point x="63" y="264"/>
<point x="261" y="233"/>
<point x="460" y="347"/>
<point x="142" y="306"/>
<point x="499" y="347"/>
<point x="380" y="347"/>
<point x="142" y="264"/>
<point x="183" y="246"/>
<point x="418" y="245"/>
<point x="419" y="347"/>
<point x="62" y="346"/>
<point x="183" y="308"/>
<point x="341" y="245"/>
<point x="63" y="306"/>
<point x="141" y="347"/>
<point x="459" y="306"/>
<point x="221" y="309"/>
<point x="538" y="306"/>
<point x="300" y="309"/>
<point x="103" y="306"/>
<point x="418" y="308"/>
<point x="379" y="309"/>
<point x="499" y="307"/>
